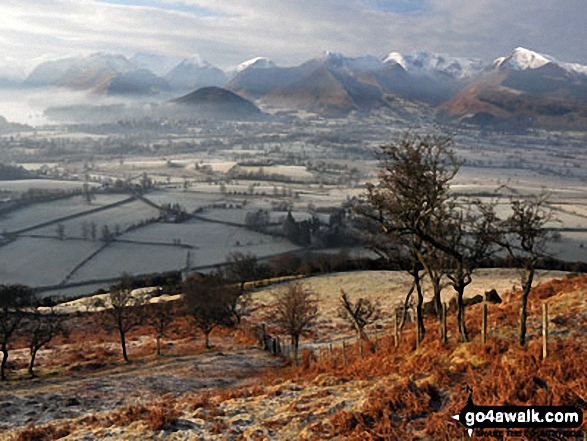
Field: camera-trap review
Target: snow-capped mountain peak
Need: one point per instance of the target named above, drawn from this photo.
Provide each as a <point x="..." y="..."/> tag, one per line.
<point x="156" y="63"/>
<point x="362" y="63"/>
<point x="396" y="57"/>
<point x="522" y="59"/>
<point x="256" y="63"/>
<point x="428" y="63"/>
<point x="196" y="60"/>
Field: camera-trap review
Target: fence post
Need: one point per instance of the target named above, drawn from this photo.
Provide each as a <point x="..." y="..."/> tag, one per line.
<point x="264" y="336"/>
<point x="274" y="346"/>
<point x="344" y="360"/>
<point x="443" y="327"/>
<point x="484" y="324"/>
<point x="544" y="330"/>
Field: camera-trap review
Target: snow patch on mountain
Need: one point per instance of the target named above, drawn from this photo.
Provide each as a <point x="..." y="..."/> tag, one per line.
<point x="196" y="61"/>
<point x="428" y="63"/>
<point x="156" y="63"/>
<point x="522" y="59"/>
<point x="256" y="63"/>
<point x="362" y="63"/>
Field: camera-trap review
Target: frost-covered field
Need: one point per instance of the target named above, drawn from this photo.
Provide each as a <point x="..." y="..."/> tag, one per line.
<point x="123" y="216"/>
<point x="391" y="287"/>
<point x="571" y="247"/>
<point x="41" y="262"/>
<point x="23" y="185"/>
<point x="37" y="214"/>
<point x="212" y="241"/>
<point x="189" y="200"/>
<point x="133" y="259"/>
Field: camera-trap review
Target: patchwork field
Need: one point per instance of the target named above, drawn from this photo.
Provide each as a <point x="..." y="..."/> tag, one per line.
<point x="42" y="262"/>
<point x="40" y="213"/>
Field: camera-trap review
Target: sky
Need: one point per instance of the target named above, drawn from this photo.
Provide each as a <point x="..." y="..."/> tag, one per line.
<point x="228" y="32"/>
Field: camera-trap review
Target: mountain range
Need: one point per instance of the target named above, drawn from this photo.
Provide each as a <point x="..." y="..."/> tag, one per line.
<point x="523" y="87"/>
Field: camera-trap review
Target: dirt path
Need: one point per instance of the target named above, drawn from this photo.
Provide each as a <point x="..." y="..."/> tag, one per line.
<point x="45" y="400"/>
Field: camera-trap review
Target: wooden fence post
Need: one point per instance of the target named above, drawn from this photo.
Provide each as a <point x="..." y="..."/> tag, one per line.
<point x="264" y="336"/>
<point x="544" y="330"/>
<point x="344" y="360"/>
<point x="484" y="324"/>
<point x="443" y="326"/>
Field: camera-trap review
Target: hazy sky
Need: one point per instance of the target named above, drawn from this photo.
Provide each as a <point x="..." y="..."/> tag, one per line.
<point x="227" y="32"/>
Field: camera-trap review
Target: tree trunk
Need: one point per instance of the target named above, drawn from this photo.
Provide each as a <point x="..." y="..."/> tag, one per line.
<point x="437" y="301"/>
<point x="295" y="343"/>
<point x="30" y="369"/>
<point x="460" y="289"/>
<point x="158" y="345"/>
<point x="4" y="360"/>
<point x="207" y="338"/>
<point x="123" y="345"/>
<point x="405" y="308"/>
<point x="526" y="287"/>
<point x="421" y="331"/>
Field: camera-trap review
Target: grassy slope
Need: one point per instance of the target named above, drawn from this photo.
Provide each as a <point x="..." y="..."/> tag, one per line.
<point x="392" y="394"/>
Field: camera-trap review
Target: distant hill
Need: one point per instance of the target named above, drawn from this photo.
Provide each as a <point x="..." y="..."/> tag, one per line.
<point x="194" y="73"/>
<point x="524" y="89"/>
<point x="137" y="82"/>
<point x="216" y="102"/>
<point x="334" y="85"/>
<point x="8" y="127"/>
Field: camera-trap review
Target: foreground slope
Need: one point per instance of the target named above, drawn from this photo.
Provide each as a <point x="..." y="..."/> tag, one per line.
<point x="393" y="393"/>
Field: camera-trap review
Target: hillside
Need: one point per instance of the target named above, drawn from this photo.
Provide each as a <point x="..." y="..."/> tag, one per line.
<point x="393" y="393"/>
<point x="216" y="102"/>
<point x="524" y="90"/>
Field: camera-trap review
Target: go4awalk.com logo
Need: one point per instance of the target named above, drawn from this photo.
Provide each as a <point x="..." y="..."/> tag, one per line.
<point x="511" y="418"/>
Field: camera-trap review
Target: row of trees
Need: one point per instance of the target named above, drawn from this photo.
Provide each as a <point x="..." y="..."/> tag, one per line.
<point x="411" y="216"/>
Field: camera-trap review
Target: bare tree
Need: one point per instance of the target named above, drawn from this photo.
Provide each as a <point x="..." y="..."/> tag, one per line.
<point x="241" y="267"/>
<point x="124" y="312"/>
<point x="525" y="237"/>
<point x="14" y="302"/>
<point x="40" y="327"/>
<point x="210" y="303"/>
<point x="360" y="314"/>
<point x="160" y="316"/>
<point x="294" y="312"/>
<point x="414" y="178"/>
<point x="467" y="238"/>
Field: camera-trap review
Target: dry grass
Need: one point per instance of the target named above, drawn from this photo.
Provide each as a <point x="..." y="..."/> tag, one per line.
<point x="426" y="386"/>
<point x="395" y="393"/>
<point x="44" y="433"/>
